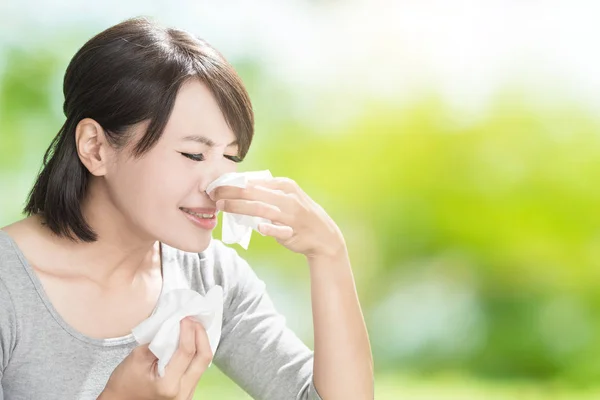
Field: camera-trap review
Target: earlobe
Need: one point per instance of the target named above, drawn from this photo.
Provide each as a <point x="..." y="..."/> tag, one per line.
<point x="91" y="146"/>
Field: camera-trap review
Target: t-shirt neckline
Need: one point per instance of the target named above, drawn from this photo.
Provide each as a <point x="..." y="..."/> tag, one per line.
<point x="103" y="342"/>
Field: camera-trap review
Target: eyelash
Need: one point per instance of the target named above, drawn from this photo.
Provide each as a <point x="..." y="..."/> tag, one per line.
<point x="200" y="157"/>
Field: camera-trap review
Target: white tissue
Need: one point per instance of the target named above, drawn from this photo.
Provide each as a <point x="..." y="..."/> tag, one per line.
<point x="161" y="330"/>
<point x="237" y="228"/>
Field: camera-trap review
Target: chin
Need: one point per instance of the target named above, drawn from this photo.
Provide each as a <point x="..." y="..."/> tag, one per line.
<point x="191" y="243"/>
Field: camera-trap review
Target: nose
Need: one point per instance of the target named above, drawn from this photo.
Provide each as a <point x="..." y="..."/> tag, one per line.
<point x="208" y="178"/>
<point x="213" y="171"/>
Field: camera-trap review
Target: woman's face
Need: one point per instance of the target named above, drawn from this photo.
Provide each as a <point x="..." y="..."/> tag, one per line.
<point x="157" y="193"/>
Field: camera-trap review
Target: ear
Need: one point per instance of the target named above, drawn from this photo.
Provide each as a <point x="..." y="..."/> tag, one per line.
<point x="92" y="147"/>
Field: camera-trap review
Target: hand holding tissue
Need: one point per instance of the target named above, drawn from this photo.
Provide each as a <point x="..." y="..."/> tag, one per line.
<point x="281" y="208"/>
<point x="238" y="228"/>
<point x="161" y="330"/>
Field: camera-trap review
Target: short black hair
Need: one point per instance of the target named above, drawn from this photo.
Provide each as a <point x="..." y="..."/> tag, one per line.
<point x="126" y="74"/>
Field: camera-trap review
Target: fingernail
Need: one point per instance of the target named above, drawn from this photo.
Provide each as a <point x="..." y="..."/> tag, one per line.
<point x="220" y="205"/>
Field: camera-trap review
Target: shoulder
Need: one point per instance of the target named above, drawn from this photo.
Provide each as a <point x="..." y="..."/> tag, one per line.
<point x="6" y="246"/>
<point x="19" y="240"/>
<point x="9" y="272"/>
<point x="15" y="283"/>
<point x="6" y="242"/>
<point x="10" y="259"/>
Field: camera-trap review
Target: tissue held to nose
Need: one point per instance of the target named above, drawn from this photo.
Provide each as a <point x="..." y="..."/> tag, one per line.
<point x="162" y="329"/>
<point x="238" y="228"/>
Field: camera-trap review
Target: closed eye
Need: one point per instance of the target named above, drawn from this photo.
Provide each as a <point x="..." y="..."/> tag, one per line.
<point x="200" y="157"/>
<point x="194" y="157"/>
<point x="235" y="159"/>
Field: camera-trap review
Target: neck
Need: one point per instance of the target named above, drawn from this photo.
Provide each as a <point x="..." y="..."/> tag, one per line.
<point x="121" y="252"/>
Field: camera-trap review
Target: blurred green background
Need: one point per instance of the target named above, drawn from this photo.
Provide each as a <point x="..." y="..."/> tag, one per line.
<point x="455" y="143"/>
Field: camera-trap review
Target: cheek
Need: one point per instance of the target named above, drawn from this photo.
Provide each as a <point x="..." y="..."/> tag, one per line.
<point x="165" y="185"/>
<point x="231" y="167"/>
<point x="147" y="188"/>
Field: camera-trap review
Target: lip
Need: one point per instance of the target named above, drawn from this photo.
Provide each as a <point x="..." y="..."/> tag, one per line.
<point x="201" y="210"/>
<point x="203" y="223"/>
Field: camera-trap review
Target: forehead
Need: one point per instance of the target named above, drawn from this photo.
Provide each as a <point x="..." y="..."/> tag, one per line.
<point x="196" y="112"/>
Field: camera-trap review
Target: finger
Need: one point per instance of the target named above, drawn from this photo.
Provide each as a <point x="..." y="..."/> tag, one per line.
<point x="204" y="354"/>
<point x="279" y="232"/>
<point x="255" y="209"/>
<point x="275" y="197"/>
<point x="286" y="185"/>
<point x="142" y="352"/>
<point x="185" y="351"/>
<point x="201" y="360"/>
<point x="144" y="356"/>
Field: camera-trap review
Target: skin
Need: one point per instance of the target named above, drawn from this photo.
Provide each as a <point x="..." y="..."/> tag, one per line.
<point x="343" y="365"/>
<point x="135" y="204"/>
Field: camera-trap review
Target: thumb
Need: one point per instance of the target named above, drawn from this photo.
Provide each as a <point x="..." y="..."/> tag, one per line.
<point x="148" y="361"/>
<point x="143" y="353"/>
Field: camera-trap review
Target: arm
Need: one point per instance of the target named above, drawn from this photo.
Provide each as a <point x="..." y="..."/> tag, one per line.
<point x="343" y="363"/>
<point x="257" y="350"/>
<point x="8" y="328"/>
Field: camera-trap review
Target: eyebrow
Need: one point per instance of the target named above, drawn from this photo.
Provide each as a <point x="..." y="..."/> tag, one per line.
<point x="205" y="140"/>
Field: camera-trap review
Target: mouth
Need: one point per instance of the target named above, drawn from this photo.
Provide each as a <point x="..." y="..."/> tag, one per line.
<point x="204" y="218"/>
<point x="204" y="213"/>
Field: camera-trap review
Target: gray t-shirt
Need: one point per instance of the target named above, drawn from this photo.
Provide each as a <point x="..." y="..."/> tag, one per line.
<point x="42" y="357"/>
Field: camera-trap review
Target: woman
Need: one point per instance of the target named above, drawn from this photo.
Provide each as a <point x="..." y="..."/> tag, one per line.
<point x="119" y="215"/>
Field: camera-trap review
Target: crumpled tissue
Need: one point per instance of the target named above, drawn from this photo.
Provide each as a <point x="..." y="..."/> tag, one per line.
<point x="237" y="228"/>
<point x="162" y="328"/>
